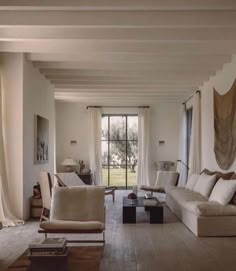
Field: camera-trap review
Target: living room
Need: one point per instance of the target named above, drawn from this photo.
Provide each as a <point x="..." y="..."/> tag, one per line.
<point x="59" y="59"/>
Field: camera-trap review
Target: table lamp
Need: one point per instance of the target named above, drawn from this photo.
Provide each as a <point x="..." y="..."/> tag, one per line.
<point x="69" y="163"/>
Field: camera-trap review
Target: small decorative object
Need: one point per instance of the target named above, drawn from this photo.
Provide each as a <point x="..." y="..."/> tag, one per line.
<point x="82" y="166"/>
<point x="41" y="138"/>
<point x="86" y="170"/>
<point x="132" y="196"/>
<point x="135" y="189"/>
<point x="69" y="163"/>
<point x="37" y="191"/>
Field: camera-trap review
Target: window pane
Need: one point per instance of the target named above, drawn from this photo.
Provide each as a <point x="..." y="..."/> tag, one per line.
<point x="132" y="127"/>
<point x="132" y="175"/>
<point x="117" y="152"/>
<point x="105" y="175"/>
<point x="104" y="128"/>
<point x="117" y="128"/>
<point x="132" y="152"/>
<point x="117" y="175"/>
<point x="105" y="152"/>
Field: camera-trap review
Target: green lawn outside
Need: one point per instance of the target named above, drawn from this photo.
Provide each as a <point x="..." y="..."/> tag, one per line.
<point x="117" y="177"/>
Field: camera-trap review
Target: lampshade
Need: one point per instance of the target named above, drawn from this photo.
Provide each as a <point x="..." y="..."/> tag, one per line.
<point x="69" y="162"/>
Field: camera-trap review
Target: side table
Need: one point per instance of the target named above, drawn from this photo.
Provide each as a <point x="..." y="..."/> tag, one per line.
<point x="49" y="262"/>
<point x="129" y="210"/>
<point x="86" y="178"/>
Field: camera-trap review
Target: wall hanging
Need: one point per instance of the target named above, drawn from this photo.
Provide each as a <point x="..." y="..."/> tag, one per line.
<point x="225" y="127"/>
<point x="41" y="138"/>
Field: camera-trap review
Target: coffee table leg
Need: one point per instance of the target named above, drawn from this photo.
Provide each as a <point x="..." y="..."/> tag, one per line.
<point x="156" y="215"/>
<point x="129" y="214"/>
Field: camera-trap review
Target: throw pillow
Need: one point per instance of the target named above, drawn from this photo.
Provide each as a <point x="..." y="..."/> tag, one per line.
<point x="205" y="184"/>
<point x="233" y="201"/>
<point x="223" y="191"/>
<point x="192" y="179"/>
<point x="233" y="177"/>
<point x="225" y="176"/>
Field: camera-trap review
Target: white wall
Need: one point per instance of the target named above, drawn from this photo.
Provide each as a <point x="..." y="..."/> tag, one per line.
<point x="12" y="84"/>
<point x="38" y="99"/>
<point x="222" y="82"/>
<point x="72" y="124"/>
<point x="25" y="93"/>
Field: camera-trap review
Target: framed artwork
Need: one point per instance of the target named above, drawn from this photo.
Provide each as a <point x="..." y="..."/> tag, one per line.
<point x="41" y="140"/>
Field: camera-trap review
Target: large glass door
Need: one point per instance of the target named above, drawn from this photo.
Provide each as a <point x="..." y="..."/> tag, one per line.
<point x="119" y="150"/>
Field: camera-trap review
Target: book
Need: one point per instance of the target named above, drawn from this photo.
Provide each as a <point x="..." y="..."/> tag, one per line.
<point x="45" y="252"/>
<point x="148" y="196"/>
<point x="47" y="249"/>
<point x="150" y="202"/>
<point x="48" y="243"/>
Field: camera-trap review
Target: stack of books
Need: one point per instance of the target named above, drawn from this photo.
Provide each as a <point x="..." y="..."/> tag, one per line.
<point x="48" y="247"/>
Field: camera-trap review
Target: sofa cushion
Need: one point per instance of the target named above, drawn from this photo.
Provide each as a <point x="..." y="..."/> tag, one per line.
<point x="223" y="191"/>
<point x="233" y="201"/>
<point x="225" y="176"/>
<point x="192" y="180"/>
<point x="183" y="195"/>
<point x="205" y="184"/>
<point x="67" y="225"/>
<point x="210" y="208"/>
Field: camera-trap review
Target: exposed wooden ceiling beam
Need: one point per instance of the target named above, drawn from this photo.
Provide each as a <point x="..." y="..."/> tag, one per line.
<point x="194" y="18"/>
<point x="130" y="87"/>
<point x="129" y="65"/>
<point x="124" y="91"/>
<point x="141" y="78"/>
<point x="127" y="57"/>
<point x="118" y="5"/>
<point x="55" y="73"/>
<point x="16" y="33"/>
<point x="91" y="46"/>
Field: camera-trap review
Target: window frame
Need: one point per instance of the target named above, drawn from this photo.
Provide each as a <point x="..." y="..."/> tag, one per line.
<point x="108" y="140"/>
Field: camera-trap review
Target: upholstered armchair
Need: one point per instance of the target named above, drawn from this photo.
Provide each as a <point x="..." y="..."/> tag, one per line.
<point x="72" y="179"/>
<point x="46" y="191"/>
<point x="163" y="180"/>
<point x="76" y="210"/>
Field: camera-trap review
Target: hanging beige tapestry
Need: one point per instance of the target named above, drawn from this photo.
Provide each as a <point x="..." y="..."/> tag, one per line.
<point x="225" y="127"/>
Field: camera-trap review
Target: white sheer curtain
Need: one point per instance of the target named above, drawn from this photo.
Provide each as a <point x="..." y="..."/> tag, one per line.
<point x="7" y="218"/>
<point x="181" y="165"/>
<point x="143" y="146"/>
<point x="195" y="140"/>
<point x="95" y="149"/>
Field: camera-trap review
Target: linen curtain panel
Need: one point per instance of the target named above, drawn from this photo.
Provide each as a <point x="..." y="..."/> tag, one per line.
<point x="195" y="140"/>
<point x="95" y="149"/>
<point x="143" y="146"/>
<point x="181" y="168"/>
<point x="6" y="214"/>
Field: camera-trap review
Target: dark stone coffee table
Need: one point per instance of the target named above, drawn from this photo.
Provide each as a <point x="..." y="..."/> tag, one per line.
<point x="129" y="210"/>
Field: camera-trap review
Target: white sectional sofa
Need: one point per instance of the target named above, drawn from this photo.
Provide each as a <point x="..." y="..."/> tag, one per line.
<point x="202" y="215"/>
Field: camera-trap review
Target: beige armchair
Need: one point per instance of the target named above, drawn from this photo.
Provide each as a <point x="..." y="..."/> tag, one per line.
<point x="72" y="179"/>
<point x="46" y="191"/>
<point x="163" y="180"/>
<point x="76" y="210"/>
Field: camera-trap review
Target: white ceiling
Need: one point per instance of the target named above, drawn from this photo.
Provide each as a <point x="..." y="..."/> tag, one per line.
<point x="124" y="51"/>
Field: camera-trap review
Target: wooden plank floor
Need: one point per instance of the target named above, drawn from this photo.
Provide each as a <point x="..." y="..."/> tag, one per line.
<point x="138" y="247"/>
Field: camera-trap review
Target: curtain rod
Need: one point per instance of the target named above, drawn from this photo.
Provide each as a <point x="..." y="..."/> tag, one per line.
<point x="198" y="91"/>
<point x="96" y="106"/>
